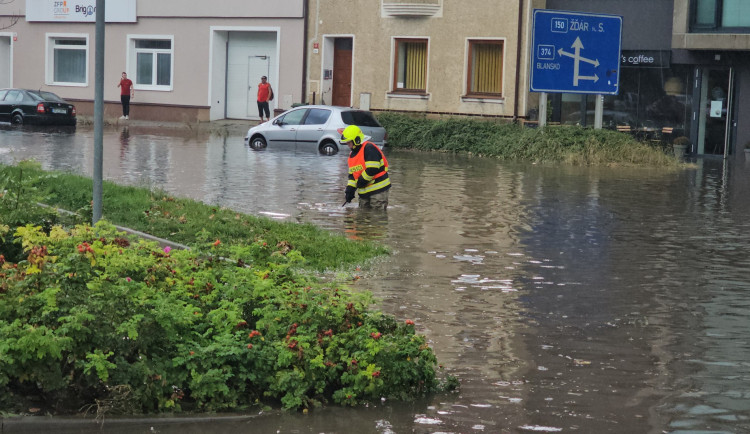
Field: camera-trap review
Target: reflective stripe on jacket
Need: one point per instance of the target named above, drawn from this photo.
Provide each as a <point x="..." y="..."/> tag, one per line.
<point x="377" y="177"/>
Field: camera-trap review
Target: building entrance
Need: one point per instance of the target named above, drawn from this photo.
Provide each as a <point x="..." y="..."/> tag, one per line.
<point x="5" y="62"/>
<point x="716" y="111"/>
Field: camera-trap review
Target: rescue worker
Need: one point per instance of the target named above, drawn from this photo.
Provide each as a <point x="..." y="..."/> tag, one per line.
<point x="368" y="170"/>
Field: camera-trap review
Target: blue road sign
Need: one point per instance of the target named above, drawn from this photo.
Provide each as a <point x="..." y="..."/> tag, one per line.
<point x="575" y="52"/>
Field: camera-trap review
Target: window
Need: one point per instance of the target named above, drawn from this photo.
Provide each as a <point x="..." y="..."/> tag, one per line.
<point x="294" y="117"/>
<point x="359" y="118"/>
<point x="154" y="61"/>
<point x="317" y="117"/>
<point x="14" y="96"/>
<point x="485" y="69"/>
<point x="411" y="66"/>
<point x="67" y="60"/>
<point x="720" y="15"/>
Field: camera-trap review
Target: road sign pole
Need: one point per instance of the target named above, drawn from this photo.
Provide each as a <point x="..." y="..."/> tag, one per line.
<point x="598" y="112"/>
<point x="542" y="109"/>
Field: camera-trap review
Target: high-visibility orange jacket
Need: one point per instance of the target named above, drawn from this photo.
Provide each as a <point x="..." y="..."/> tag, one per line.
<point x="368" y="170"/>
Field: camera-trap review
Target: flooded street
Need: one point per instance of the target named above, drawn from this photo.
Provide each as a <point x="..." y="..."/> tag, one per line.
<point x="565" y="299"/>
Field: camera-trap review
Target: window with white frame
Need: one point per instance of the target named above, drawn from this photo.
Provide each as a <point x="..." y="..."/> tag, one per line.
<point x="67" y="59"/>
<point x="154" y="60"/>
<point x="410" y="65"/>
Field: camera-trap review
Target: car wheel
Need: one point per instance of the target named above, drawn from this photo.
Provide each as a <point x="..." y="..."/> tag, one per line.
<point x="258" y="142"/>
<point x="17" y="119"/>
<point x="329" y="148"/>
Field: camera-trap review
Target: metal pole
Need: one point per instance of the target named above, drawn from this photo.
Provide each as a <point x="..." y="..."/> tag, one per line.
<point x="728" y="122"/>
<point x="598" y="112"/>
<point x="98" y="112"/>
<point x="542" y="109"/>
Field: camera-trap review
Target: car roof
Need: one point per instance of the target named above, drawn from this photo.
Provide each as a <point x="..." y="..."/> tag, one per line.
<point x="329" y="107"/>
<point x="27" y="90"/>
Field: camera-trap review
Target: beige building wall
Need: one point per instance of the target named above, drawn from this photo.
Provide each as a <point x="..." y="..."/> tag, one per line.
<point x="447" y="24"/>
<point x="197" y="92"/>
<point x="683" y="39"/>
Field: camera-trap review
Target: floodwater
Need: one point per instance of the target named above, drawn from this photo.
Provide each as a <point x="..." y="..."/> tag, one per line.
<point x="565" y="299"/>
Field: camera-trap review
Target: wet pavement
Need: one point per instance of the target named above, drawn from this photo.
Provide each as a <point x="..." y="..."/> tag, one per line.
<point x="566" y="299"/>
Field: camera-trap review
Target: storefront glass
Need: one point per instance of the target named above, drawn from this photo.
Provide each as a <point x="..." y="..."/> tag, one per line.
<point x="650" y="101"/>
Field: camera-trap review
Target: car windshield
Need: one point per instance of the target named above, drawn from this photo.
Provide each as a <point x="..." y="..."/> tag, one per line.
<point x="359" y="118"/>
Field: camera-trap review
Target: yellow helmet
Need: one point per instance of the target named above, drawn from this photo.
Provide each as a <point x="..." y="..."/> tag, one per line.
<point x="352" y="133"/>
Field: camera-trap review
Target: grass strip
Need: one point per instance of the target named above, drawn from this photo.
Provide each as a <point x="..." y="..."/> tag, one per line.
<point x="188" y="221"/>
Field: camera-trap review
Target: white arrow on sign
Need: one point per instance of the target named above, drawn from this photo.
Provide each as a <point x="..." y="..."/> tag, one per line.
<point x="577" y="46"/>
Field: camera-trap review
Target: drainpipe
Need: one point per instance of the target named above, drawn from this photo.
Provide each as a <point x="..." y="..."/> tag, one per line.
<point x="518" y="60"/>
<point x="304" y="51"/>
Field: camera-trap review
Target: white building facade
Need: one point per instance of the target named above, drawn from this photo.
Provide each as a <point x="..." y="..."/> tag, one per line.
<point x="189" y="60"/>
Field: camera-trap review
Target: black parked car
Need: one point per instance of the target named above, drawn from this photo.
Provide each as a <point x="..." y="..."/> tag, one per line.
<point x="23" y="106"/>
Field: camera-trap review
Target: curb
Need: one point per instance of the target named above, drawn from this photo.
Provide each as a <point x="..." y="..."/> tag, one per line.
<point x="162" y="242"/>
<point x="62" y="425"/>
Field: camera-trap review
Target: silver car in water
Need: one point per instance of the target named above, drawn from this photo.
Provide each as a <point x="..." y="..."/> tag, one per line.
<point x="316" y="126"/>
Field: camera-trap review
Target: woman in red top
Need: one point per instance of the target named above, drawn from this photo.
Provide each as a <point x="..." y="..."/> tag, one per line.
<point x="264" y="95"/>
<point x="126" y="92"/>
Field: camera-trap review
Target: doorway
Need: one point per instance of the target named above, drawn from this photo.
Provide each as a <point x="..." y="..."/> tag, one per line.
<point x="716" y="114"/>
<point x="5" y="62"/>
<point x="257" y="66"/>
<point x="248" y="58"/>
<point x="342" y="72"/>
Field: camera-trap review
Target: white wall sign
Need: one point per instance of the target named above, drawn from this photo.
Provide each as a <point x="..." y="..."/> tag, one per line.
<point x="115" y="11"/>
<point x="716" y="107"/>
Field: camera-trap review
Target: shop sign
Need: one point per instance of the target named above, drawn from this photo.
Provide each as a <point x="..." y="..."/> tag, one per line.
<point x="79" y="11"/>
<point x="646" y="58"/>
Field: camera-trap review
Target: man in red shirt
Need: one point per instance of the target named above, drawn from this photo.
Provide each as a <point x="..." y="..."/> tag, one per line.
<point x="126" y="92"/>
<point x="265" y="94"/>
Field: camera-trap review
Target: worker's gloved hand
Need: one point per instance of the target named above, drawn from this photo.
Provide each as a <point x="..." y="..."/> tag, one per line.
<point x="350" y="193"/>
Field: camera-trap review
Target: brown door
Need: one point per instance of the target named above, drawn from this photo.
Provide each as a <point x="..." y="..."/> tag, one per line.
<point x="342" y="72"/>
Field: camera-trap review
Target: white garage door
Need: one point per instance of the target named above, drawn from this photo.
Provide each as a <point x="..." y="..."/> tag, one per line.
<point x="248" y="58"/>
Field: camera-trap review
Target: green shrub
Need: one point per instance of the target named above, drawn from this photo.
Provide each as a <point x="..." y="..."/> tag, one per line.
<point x="90" y="316"/>
<point x="19" y="205"/>
<point x="501" y="139"/>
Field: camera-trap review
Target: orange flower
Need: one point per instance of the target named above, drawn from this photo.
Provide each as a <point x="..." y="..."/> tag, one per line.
<point x="409" y="322"/>
<point x="217" y="242"/>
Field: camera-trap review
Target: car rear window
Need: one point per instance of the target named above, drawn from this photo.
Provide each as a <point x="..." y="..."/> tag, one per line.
<point x="49" y="96"/>
<point x="317" y="117"/>
<point x="34" y="96"/>
<point x="359" y="118"/>
<point x="39" y="95"/>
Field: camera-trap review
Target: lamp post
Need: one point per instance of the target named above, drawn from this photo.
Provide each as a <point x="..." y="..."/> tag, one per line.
<point x="98" y="112"/>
